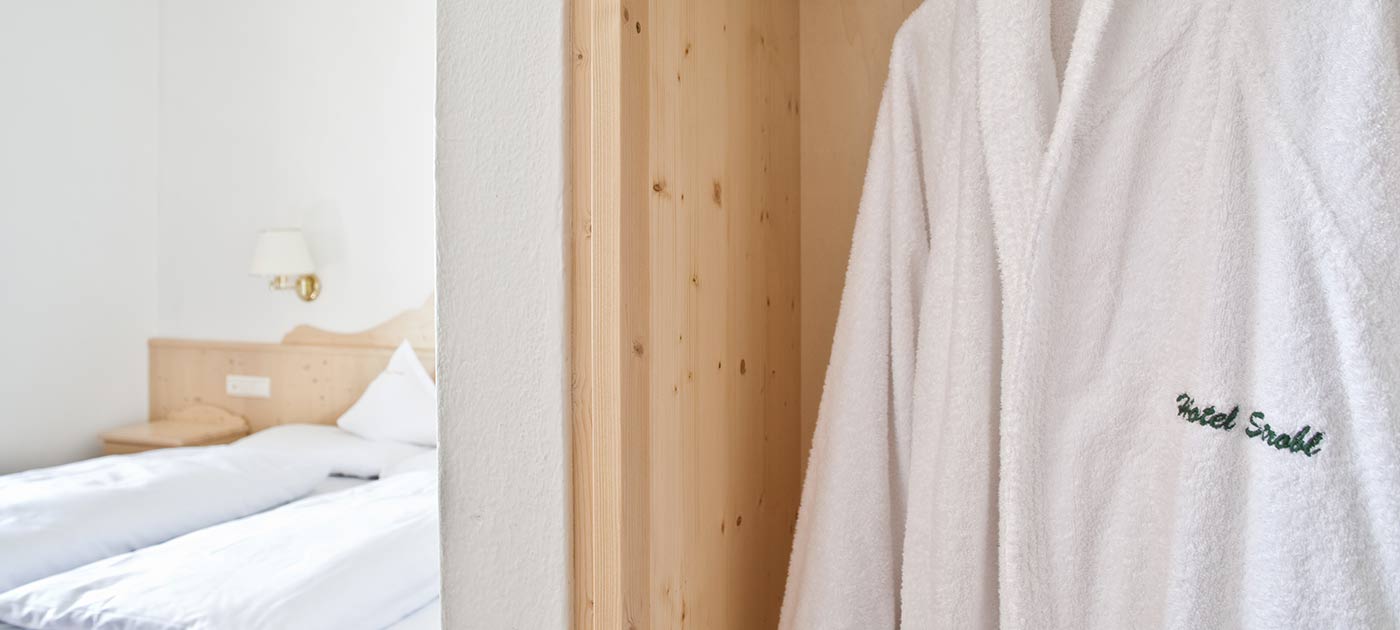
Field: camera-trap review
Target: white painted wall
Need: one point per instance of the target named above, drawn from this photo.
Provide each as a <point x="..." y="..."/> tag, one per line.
<point x="315" y="114"/>
<point x="501" y="309"/>
<point x="77" y="223"/>
<point x="143" y="143"/>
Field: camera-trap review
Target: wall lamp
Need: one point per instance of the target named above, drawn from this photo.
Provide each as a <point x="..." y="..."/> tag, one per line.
<point x="282" y="255"/>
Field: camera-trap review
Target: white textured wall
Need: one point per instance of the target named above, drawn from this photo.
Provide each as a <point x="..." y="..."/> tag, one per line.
<point x="501" y="309"/>
<point x="77" y="223"/>
<point x="311" y="113"/>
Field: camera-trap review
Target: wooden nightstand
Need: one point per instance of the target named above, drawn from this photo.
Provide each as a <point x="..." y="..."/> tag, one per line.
<point x="200" y="425"/>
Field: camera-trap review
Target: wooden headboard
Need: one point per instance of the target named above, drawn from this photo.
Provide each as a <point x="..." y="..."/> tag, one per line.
<point x="316" y="374"/>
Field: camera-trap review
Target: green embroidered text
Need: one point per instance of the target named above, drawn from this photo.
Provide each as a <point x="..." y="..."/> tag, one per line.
<point x="1298" y="442"/>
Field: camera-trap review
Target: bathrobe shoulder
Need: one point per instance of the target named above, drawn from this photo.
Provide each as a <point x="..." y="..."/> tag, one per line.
<point x="922" y="221"/>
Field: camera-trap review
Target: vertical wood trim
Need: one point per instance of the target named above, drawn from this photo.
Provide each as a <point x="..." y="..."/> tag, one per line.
<point x="594" y="309"/>
<point x="609" y="314"/>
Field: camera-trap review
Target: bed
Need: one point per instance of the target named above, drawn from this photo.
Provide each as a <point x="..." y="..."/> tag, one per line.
<point x="103" y="543"/>
<point x="345" y="537"/>
<point x="364" y="557"/>
<point x="426" y="618"/>
<point x="60" y="518"/>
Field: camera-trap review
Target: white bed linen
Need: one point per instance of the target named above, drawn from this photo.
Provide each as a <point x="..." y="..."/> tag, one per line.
<point x="347" y="454"/>
<point x="427" y="461"/>
<point x="426" y="618"/>
<point x="365" y="558"/>
<point x="333" y="484"/>
<point x="400" y="405"/>
<point x="55" y="519"/>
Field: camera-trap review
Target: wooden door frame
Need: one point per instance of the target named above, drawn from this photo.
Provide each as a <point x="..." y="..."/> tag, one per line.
<point x="607" y="311"/>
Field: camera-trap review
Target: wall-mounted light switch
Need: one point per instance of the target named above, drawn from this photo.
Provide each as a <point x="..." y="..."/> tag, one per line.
<point x="240" y="386"/>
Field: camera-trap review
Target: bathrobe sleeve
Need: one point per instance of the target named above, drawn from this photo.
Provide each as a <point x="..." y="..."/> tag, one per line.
<point x="845" y="570"/>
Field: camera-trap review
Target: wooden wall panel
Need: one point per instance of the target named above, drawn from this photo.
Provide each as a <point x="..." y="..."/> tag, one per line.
<point x="316" y="374"/>
<point x="686" y="311"/>
<point x="310" y="384"/>
<point x="845" y="55"/>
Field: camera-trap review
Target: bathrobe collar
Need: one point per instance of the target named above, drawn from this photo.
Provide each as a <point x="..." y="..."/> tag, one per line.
<point x="1027" y="116"/>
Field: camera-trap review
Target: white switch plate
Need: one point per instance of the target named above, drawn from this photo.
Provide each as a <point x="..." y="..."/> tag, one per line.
<point x="240" y="386"/>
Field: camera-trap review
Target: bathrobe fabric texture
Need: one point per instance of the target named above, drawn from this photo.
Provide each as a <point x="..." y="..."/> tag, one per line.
<point x="1119" y="345"/>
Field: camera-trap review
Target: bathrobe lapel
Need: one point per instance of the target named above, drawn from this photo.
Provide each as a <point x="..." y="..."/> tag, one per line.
<point x="1027" y="114"/>
<point x="1018" y="98"/>
<point x="1028" y="118"/>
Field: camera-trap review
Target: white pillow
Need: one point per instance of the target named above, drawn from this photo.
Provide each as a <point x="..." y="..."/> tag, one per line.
<point x="346" y="454"/>
<point x="426" y="461"/>
<point x="400" y="405"/>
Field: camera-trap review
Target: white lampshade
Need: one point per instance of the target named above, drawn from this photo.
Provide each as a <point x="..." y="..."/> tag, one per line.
<point x="282" y="253"/>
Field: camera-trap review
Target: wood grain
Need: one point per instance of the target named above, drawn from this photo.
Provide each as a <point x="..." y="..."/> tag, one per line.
<point x="417" y="326"/>
<point x="206" y="415"/>
<point x="127" y="448"/>
<point x="195" y="425"/>
<point x="316" y="376"/>
<point x="603" y="55"/>
<point x="685" y="289"/>
<point x="845" y="55"/>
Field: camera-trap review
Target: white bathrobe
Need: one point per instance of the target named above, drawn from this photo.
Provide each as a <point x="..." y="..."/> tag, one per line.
<point x="1120" y="339"/>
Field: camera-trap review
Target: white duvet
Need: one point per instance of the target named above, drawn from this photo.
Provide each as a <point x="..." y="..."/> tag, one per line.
<point x="366" y="558"/>
<point x="55" y="519"/>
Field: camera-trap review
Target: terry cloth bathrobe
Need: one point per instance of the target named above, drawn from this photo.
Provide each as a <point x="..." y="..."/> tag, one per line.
<point x="1120" y="340"/>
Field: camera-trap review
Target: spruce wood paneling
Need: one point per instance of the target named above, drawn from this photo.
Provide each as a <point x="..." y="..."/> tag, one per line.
<point x="316" y="374"/>
<point x="686" y="311"/>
